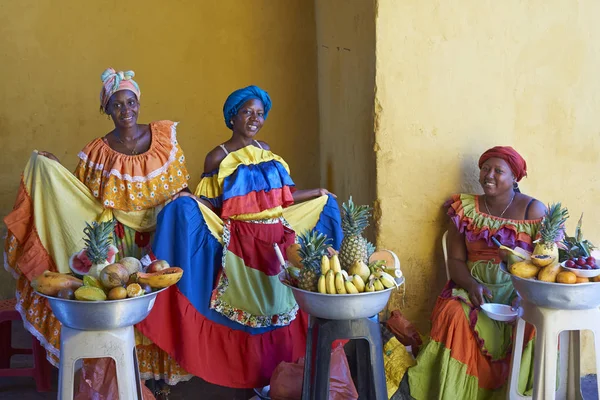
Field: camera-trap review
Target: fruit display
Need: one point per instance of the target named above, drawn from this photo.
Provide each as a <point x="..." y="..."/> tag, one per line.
<point x="314" y="266"/>
<point x="545" y="262"/>
<point x="103" y="278"/>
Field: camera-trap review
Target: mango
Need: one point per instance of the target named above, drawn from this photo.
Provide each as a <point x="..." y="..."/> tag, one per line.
<point x="581" y="279"/>
<point x="567" y="277"/>
<point x="90" y="293"/>
<point x="524" y="269"/>
<point x="549" y="273"/>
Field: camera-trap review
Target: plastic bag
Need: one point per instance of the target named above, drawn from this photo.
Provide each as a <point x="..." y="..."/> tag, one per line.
<point x="404" y="331"/>
<point x="99" y="381"/>
<point x="286" y="381"/>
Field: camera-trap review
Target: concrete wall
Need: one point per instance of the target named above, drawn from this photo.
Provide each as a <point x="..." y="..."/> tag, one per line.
<point x="187" y="55"/>
<point x="455" y="78"/>
<point x="346" y="73"/>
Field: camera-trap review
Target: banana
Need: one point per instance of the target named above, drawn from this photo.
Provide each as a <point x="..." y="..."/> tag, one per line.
<point x="350" y="288"/>
<point x="369" y="287"/>
<point x="345" y="274"/>
<point x="321" y="285"/>
<point x="324" y="265"/>
<point x="329" y="282"/>
<point x="358" y="283"/>
<point x="339" y="283"/>
<point x="334" y="262"/>
<point x="378" y="285"/>
<point x="387" y="280"/>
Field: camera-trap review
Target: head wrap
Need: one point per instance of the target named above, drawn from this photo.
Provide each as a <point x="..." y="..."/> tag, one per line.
<point x="517" y="164"/>
<point x="113" y="81"/>
<point x="239" y="97"/>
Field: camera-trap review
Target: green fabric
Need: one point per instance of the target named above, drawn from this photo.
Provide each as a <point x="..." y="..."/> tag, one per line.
<point x="247" y="286"/>
<point x="438" y="376"/>
<point x="127" y="245"/>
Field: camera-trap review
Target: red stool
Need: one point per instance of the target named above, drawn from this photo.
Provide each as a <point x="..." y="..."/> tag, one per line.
<point x="41" y="368"/>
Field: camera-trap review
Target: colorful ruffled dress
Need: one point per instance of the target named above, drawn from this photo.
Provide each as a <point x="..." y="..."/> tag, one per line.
<point x="468" y="356"/>
<point x="53" y="205"/>
<point x="229" y="320"/>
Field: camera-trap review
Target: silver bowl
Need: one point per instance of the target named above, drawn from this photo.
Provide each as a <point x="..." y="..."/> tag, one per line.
<point x="579" y="296"/>
<point x="340" y="306"/>
<point x="102" y="315"/>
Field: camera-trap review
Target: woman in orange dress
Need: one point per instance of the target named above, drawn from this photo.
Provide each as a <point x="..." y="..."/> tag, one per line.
<point x="132" y="170"/>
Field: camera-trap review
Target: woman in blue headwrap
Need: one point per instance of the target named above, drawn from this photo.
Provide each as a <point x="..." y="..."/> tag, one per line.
<point x="231" y="321"/>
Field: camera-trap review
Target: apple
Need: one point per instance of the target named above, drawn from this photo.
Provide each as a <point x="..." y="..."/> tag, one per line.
<point x="157" y="265"/>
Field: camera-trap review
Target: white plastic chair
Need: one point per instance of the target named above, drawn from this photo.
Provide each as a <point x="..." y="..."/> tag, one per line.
<point x="445" y="249"/>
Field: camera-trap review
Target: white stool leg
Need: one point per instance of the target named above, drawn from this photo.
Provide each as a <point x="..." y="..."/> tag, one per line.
<point x="546" y="347"/>
<point x="127" y="378"/>
<point x="515" y="362"/>
<point x="597" y="351"/>
<point x="66" y="371"/>
<point x="574" y="373"/>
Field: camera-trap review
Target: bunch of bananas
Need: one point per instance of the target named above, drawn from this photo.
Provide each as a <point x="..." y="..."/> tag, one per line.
<point x="335" y="280"/>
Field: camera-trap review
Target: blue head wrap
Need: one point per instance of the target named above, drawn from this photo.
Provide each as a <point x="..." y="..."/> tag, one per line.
<point x="239" y="97"/>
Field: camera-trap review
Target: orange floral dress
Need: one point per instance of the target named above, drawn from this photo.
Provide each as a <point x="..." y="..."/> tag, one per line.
<point x="121" y="182"/>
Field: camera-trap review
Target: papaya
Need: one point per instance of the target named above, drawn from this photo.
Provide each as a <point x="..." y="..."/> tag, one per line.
<point x="549" y="273"/>
<point x="541" y="260"/>
<point x="524" y="269"/>
<point x="50" y="283"/>
<point x="567" y="277"/>
<point x="292" y="255"/>
<point x="161" y="279"/>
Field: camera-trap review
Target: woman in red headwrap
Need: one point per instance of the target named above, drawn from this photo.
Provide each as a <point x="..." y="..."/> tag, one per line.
<point x="468" y="356"/>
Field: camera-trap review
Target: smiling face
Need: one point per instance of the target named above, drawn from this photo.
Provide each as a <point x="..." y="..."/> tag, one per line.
<point x="249" y="119"/>
<point x="496" y="177"/>
<point x="123" y="107"/>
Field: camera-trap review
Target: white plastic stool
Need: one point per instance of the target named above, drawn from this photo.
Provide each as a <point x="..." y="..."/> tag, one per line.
<point x="118" y="344"/>
<point x="549" y="323"/>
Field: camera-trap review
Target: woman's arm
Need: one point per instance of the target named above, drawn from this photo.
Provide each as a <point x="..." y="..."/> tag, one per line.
<point x="48" y="155"/>
<point x="307" y="194"/>
<point x="459" y="272"/>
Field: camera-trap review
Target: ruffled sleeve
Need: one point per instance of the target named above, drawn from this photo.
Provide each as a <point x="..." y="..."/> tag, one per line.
<point x="135" y="182"/>
<point x="210" y="190"/>
<point x="475" y="225"/>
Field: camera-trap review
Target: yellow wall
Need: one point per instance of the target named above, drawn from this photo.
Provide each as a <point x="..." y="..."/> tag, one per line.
<point x="346" y="76"/>
<point x="187" y="55"/>
<point x="455" y="78"/>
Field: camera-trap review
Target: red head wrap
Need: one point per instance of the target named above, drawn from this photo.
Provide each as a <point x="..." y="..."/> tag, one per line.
<point x="517" y="164"/>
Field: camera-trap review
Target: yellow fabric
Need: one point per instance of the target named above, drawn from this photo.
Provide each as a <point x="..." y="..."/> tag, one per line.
<point x="304" y="216"/>
<point x="214" y="223"/>
<point x="266" y="214"/>
<point x="208" y="187"/>
<point x="396" y="360"/>
<point x="62" y="204"/>
<point x="249" y="155"/>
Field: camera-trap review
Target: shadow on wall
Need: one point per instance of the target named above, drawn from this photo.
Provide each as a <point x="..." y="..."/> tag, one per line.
<point x="7" y="284"/>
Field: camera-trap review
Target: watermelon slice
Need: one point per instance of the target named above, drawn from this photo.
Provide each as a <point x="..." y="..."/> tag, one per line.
<point x="80" y="264"/>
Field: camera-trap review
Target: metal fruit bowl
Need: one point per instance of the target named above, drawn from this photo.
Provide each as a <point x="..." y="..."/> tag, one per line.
<point x="578" y="296"/>
<point x="102" y="315"/>
<point x="340" y="306"/>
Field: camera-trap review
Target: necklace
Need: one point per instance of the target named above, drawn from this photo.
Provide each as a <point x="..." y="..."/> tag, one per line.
<point x="133" y="152"/>
<point x="488" y="208"/>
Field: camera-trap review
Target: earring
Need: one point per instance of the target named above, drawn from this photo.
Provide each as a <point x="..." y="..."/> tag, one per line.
<point x="515" y="185"/>
<point x="231" y="122"/>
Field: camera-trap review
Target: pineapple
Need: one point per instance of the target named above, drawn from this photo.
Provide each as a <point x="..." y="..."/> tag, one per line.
<point x="313" y="245"/>
<point x="354" y="246"/>
<point x="551" y="231"/>
<point x="98" y="245"/>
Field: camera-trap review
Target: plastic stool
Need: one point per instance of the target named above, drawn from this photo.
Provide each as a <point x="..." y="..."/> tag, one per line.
<point x="321" y="334"/>
<point x="118" y="344"/>
<point x="549" y="323"/>
<point x="41" y="367"/>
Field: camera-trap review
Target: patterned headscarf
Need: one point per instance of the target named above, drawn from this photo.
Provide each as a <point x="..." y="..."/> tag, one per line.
<point x="239" y="97"/>
<point x="113" y="81"/>
<point x="517" y="164"/>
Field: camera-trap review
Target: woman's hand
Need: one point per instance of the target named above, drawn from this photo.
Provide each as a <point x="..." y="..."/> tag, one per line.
<point x="476" y="293"/>
<point x="308" y="194"/>
<point x="48" y="155"/>
<point x="323" y="192"/>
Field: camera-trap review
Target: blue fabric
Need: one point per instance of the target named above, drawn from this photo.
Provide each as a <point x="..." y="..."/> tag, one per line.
<point x="330" y="223"/>
<point x="239" y="97"/>
<point x="184" y="240"/>
<point x="263" y="176"/>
